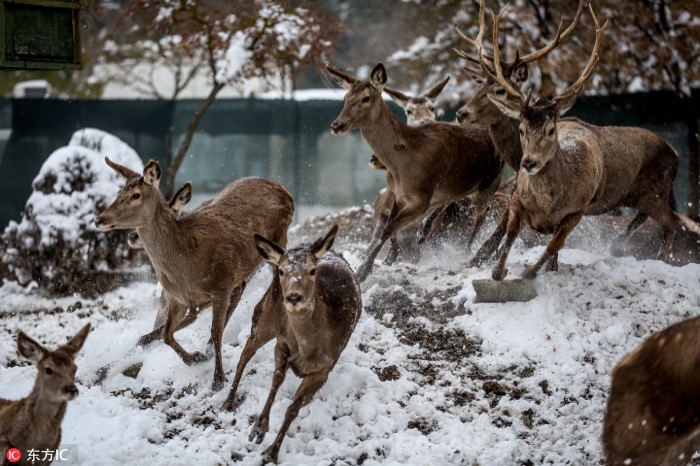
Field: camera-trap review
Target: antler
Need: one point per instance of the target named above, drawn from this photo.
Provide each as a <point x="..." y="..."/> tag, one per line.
<point x="497" y="65"/>
<point x="476" y="42"/>
<point x="576" y="87"/>
<point x="560" y="36"/>
<point x="537" y="54"/>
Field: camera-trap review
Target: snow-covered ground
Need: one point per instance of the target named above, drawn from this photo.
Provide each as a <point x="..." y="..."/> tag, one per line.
<point x="428" y="378"/>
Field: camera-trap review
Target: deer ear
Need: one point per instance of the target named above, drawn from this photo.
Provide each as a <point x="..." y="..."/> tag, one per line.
<point x="181" y="198"/>
<point x="508" y="107"/>
<point x="152" y="173"/>
<point x="399" y="97"/>
<point x="378" y="77"/>
<point x="564" y="104"/>
<point x="75" y="343"/>
<point x="323" y="245"/>
<point x="520" y="75"/>
<point x="475" y="75"/>
<point x="269" y="251"/>
<point x="29" y="348"/>
<point x="121" y="170"/>
<point x="343" y="79"/>
<point x="437" y="89"/>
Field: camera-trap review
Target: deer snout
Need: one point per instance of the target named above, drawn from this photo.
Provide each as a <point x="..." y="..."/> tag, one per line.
<point x="528" y="165"/>
<point x="338" y="127"/>
<point x="102" y="222"/>
<point x="375" y="163"/>
<point x="462" y="115"/>
<point x="293" y="300"/>
<point x="72" y="391"/>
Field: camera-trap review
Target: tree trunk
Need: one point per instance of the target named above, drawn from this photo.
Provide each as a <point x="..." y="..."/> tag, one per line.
<point x="192" y="126"/>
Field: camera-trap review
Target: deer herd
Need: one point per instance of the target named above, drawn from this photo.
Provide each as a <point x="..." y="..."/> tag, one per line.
<point x="565" y="169"/>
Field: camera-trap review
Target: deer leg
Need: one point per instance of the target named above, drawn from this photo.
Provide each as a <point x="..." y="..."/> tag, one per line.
<point x="393" y="252"/>
<point x="233" y="303"/>
<point x="175" y="317"/>
<point x="669" y="223"/>
<point x="304" y="395"/>
<point x="220" y="309"/>
<point x="261" y="425"/>
<point x="264" y="328"/>
<point x="555" y="244"/>
<point x="553" y="263"/>
<point x="427" y="224"/>
<point x="157" y="334"/>
<point x="491" y="244"/>
<point x="637" y="221"/>
<point x="401" y="218"/>
<point x="500" y="271"/>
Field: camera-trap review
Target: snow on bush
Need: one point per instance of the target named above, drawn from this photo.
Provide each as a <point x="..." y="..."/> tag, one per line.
<point x="56" y="243"/>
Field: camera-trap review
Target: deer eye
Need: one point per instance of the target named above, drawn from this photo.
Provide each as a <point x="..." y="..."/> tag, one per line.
<point x="550" y="133"/>
<point x="432" y="109"/>
<point x="499" y="91"/>
<point x="136" y="196"/>
<point x="280" y="272"/>
<point x="48" y="371"/>
<point x="409" y="112"/>
<point x="312" y="272"/>
<point x="365" y="99"/>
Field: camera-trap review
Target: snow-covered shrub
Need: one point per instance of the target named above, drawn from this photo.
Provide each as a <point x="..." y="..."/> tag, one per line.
<point x="56" y="243"/>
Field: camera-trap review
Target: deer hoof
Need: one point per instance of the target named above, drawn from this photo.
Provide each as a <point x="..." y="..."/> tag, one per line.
<point x="499" y="273"/>
<point x="529" y="273"/>
<point x="269" y="457"/>
<point x="218" y="383"/>
<point x="196" y="358"/>
<point x="257" y="435"/>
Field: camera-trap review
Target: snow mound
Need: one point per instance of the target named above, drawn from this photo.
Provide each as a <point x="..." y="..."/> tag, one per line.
<point x="56" y="243"/>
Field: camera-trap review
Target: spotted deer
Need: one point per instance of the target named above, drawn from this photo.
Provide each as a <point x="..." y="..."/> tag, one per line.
<point x="311" y="308"/>
<point x="642" y="164"/>
<point x="653" y="410"/>
<point x="203" y="258"/>
<point x="34" y="422"/>
<point x="427" y="166"/>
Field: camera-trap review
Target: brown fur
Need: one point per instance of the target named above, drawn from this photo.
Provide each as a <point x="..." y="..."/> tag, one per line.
<point x="653" y="412"/>
<point x="428" y="166"/>
<point x="311" y="308"/>
<point x="202" y="258"/>
<point x="34" y="422"/>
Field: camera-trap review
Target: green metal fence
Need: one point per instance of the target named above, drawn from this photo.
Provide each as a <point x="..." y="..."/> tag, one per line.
<point x="288" y="141"/>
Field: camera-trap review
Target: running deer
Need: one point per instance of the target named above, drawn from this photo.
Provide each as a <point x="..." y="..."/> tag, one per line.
<point x="311" y="308"/>
<point x="553" y="151"/>
<point x="503" y="130"/>
<point x="642" y="164"/>
<point x="653" y="412"/>
<point x="205" y="257"/>
<point x="419" y="110"/>
<point x="427" y="166"/>
<point x="34" y="422"/>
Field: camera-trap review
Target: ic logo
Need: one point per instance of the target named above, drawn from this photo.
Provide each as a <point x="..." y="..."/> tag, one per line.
<point x="13" y="455"/>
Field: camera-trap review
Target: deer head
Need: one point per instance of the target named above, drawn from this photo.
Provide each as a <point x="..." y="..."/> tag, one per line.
<point x="175" y="206"/>
<point x="55" y="380"/>
<point x="296" y="268"/>
<point x="538" y="123"/>
<point x="479" y="108"/>
<point x="362" y="100"/>
<point x="136" y="202"/>
<point x="420" y="109"/>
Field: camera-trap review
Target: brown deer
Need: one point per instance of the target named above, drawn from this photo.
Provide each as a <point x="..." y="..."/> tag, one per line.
<point x="641" y="165"/>
<point x="205" y="257"/>
<point x="553" y="151"/>
<point x="427" y="166"/>
<point x="653" y="411"/>
<point x="311" y="308"/>
<point x="419" y="110"/>
<point x="502" y="129"/>
<point x="176" y="204"/>
<point x="34" y="422"/>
